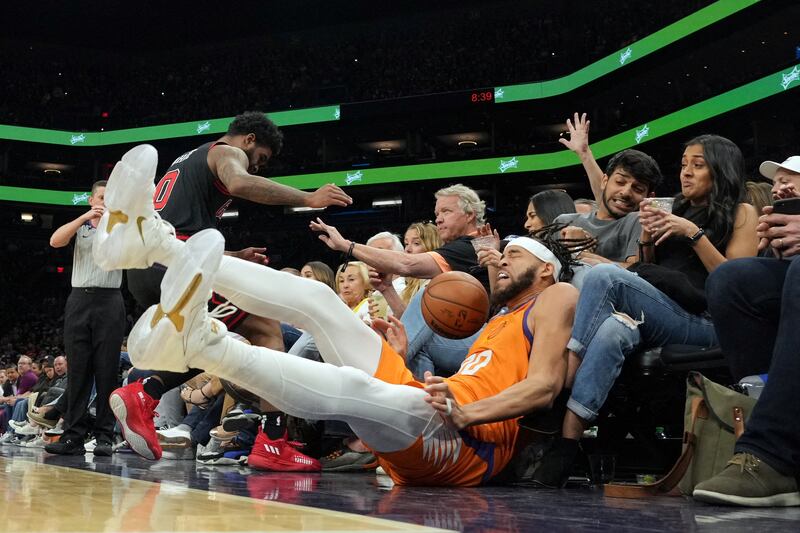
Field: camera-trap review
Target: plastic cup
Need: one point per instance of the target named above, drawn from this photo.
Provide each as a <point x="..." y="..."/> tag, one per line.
<point x="603" y="468"/>
<point x="485" y="241"/>
<point x="665" y="204"/>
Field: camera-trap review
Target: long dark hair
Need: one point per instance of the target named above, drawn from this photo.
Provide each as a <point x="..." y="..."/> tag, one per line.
<point x="551" y="203"/>
<point x="726" y="165"/>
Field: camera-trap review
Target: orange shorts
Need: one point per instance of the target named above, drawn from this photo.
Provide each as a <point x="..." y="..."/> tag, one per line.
<point x="465" y="458"/>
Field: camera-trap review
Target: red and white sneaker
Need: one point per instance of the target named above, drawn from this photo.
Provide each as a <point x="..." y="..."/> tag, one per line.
<point x="135" y="410"/>
<point x="280" y="455"/>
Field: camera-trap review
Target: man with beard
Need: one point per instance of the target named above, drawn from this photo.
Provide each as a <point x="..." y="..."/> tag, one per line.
<point x="630" y="177"/>
<point x="365" y="382"/>
<point x="192" y="195"/>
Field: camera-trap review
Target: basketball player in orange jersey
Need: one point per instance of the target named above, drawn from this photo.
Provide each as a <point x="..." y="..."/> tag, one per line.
<point x="364" y="382"/>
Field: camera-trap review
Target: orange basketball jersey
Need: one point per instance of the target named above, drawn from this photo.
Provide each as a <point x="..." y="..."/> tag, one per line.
<point x="497" y="360"/>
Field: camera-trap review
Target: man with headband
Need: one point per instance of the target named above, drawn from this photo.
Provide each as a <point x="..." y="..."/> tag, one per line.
<point x="519" y="359"/>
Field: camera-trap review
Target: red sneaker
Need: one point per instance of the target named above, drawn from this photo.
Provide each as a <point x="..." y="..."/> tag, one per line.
<point x="135" y="410"/>
<point x="279" y="456"/>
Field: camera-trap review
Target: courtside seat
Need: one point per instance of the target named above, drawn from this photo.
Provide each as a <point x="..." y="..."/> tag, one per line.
<point x="678" y="358"/>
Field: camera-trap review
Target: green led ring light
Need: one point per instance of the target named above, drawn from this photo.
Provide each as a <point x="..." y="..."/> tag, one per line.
<point x="741" y="96"/>
<point x="512" y="93"/>
<point x="655" y="41"/>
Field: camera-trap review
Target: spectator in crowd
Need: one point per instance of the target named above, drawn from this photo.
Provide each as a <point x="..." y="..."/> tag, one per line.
<point x="544" y="207"/>
<point x="16" y="405"/>
<point x="94" y="326"/>
<point x="420" y="237"/>
<point x="759" y="194"/>
<point x="319" y="271"/>
<point x="585" y="206"/>
<point x="459" y="211"/>
<point x="630" y="177"/>
<point x="353" y="287"/>
<point x="785" y="177"/>
<point x="755" y="303"/>
<point x="379" y="306"/>
<point x="619" y="312"/>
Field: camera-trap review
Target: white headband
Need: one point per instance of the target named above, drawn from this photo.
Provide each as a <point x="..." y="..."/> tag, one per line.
<point x="540" y="251"/>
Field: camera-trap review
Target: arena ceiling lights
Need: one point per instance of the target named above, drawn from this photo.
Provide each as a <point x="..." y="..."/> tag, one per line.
<point x="779" y="82"/>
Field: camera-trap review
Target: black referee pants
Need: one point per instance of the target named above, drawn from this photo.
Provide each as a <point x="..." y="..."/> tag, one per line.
<point x="94" y="326"/>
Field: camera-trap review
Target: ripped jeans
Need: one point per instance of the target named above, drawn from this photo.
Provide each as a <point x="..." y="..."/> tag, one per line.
<point x="619" y="313"/>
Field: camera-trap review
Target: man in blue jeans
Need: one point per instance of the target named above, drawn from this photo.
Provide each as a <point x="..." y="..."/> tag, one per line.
<point x="755" y="303"/>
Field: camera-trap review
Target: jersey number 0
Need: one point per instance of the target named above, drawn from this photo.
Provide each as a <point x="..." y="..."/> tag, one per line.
<point x="164" y="189"/>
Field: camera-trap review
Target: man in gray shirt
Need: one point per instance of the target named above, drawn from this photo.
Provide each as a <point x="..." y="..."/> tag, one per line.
<point x="630" y="177"/>
<point x="94" y="325"/>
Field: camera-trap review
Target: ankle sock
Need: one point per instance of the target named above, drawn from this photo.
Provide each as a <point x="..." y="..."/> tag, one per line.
<point x="274" y="425"/>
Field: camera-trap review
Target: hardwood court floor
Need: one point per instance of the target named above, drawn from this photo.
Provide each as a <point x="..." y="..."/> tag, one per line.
<point x="40" y="492"/>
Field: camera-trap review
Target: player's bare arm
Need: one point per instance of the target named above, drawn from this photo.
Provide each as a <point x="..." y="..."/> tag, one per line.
<point x="386" y="261"/>
<point x="551" y="323"/>
<point x="230" y="165"/>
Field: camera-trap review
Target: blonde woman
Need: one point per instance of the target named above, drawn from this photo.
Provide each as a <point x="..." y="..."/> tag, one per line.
<point x="353" y="287"/>
<point x="420" y="237"/>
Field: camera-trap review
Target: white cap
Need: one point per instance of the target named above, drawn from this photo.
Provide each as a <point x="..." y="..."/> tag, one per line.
<point x="769" y="168"/>
<point x="539" y="251"/>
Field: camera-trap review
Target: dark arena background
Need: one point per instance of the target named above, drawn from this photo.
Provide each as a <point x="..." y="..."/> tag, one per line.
<point x="391" y="101"/>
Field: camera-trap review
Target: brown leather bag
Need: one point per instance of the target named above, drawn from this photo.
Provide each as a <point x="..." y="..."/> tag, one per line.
<point x="714" y="418"/>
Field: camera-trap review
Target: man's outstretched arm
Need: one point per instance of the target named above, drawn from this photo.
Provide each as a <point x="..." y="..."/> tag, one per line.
<point x="551" y="322"/>
<point x="384" y="261"/>
<point x="229" y="164"/>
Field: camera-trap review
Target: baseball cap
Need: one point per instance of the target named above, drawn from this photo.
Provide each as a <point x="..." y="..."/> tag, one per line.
<point x="769" y="168"/>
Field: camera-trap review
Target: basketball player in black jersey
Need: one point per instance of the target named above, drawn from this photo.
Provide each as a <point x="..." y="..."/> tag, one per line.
<point x="192" y="195"/>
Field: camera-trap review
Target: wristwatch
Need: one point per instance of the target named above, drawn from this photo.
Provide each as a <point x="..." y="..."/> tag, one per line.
<point x="696" y="237"/>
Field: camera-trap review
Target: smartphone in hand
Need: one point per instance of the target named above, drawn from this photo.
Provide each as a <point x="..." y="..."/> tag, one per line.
<point x="787" y="206"/>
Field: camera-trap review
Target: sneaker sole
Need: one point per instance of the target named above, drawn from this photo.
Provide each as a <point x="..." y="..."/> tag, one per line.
<point x="788" y="499"/>
<point x="157" y="341"/>
<point x="240" y="422"/>
<point x="136" y="442"/>
<point x="129" y="196"/>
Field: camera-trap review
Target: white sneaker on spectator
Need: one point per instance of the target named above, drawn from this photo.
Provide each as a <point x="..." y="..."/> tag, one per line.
<point x="7" y="437"/>
<point x="28" y="429"/>
<point x="178" y="436"/>
<point x="55" y="431"/>
<point x="38" y="442"/>
<point x="130" y="234"/>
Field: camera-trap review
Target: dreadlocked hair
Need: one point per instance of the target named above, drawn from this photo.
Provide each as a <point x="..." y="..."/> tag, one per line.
<point x="563" y="249"/>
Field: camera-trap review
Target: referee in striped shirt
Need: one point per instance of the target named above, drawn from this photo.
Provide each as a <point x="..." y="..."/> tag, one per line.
<point x="94" y="326"/>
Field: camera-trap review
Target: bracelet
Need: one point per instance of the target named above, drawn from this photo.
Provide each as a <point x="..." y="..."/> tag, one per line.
<point x="349" y="255"/>
<point x="696" y="237"/>
<point x="644" y="243"/>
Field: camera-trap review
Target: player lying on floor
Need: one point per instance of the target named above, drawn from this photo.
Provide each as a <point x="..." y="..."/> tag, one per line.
<point x="364" y="382"/>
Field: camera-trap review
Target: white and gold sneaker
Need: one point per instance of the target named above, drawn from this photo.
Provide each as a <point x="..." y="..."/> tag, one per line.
<point x="130" y="234"/>
<point x="161" y="338"/>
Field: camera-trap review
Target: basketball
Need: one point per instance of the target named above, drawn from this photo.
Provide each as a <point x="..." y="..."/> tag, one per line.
<point x="455" y="305"/>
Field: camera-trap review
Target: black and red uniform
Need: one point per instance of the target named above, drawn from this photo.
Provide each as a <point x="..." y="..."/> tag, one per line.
<point x="191" y="198"/>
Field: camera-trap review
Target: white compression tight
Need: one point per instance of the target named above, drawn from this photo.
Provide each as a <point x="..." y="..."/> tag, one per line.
<point x="387" y="417"/>
<point x="342" y="339"/>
